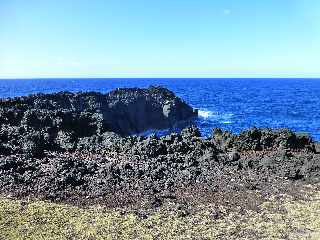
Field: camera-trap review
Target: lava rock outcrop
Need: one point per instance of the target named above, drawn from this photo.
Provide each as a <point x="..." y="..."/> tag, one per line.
<point x="109" y="166"/>
<point x="66" y="121"/>
<point x="74" y="146"/>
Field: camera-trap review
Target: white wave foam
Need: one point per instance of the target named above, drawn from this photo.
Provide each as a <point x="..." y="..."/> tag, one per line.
<point x="226" y="122"/>
<point x="225" y="118"/>
<point x="205" y="114"/>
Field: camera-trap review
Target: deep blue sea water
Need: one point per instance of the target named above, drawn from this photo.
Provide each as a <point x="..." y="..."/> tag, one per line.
<point x="231" y="104"/>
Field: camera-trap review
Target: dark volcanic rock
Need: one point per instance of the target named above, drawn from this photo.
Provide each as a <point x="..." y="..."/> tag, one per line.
<point x="156" y="166"/>
<point x="62" y="121"/>
<point x="262" y="139"/>
<point x="69" y="146"/>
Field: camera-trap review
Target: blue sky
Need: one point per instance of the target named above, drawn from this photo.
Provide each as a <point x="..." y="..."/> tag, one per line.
<point x="159" y="38"/>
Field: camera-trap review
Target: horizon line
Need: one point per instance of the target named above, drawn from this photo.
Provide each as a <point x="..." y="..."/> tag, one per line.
<point x="43" y="78"/>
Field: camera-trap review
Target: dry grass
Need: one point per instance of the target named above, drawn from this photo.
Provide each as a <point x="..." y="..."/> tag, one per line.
<point x="280" y="217"/>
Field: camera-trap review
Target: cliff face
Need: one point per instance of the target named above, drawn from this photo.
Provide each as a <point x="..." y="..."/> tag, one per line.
<point x="62" y="120"/>
<point x="136" y="110"/>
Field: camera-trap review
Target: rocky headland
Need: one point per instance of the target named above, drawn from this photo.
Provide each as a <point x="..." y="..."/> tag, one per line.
<point x="67" y="121"/>
<point x="81" y="148"/>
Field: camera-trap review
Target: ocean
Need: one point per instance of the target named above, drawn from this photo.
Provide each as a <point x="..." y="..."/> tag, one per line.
<point x="230" y="104"/>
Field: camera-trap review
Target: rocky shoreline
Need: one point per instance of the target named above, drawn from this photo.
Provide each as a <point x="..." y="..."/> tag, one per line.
<point x="72" y="147"/>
